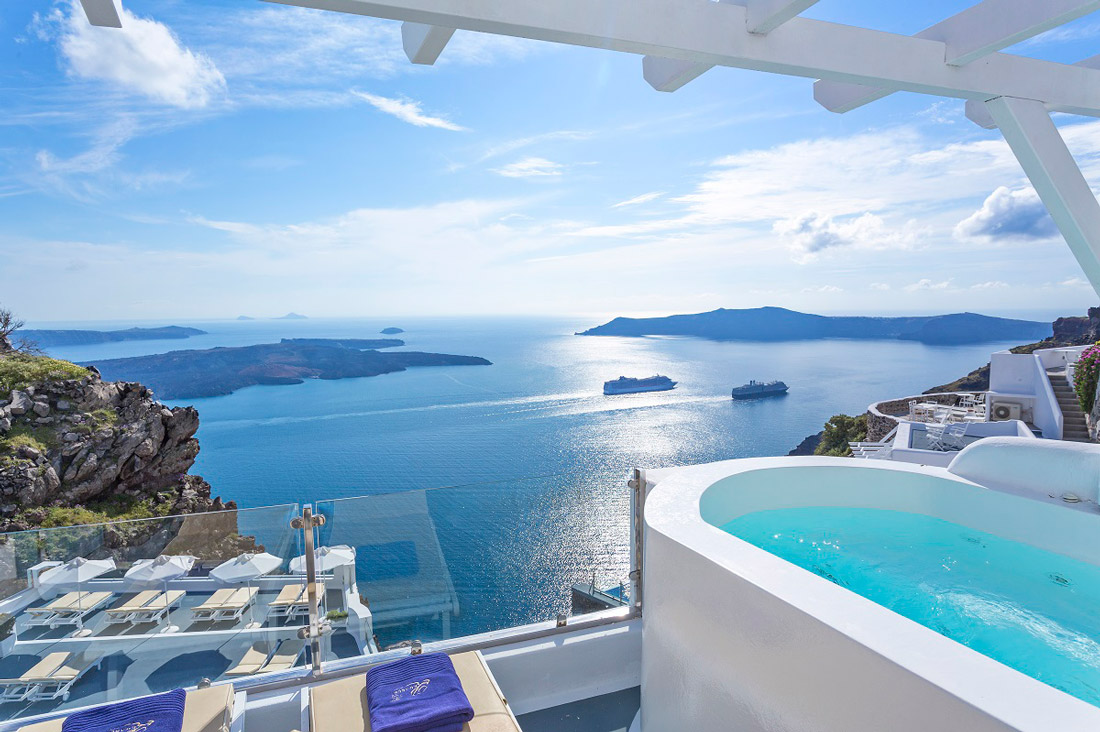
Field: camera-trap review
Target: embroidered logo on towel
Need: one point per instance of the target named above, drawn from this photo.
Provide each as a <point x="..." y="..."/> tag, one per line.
<point x="135" y="727"/>
<point x="413" y="689"/>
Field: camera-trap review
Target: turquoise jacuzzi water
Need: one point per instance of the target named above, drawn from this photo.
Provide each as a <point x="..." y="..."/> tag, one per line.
<point x="1033" y="610"/>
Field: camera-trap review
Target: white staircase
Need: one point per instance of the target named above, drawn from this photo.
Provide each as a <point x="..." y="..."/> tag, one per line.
<point x="1074" y="428"/>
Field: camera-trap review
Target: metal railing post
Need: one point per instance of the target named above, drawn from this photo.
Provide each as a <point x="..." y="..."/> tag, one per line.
<point x="637" y="509"/>
<point x="307" y="521"/>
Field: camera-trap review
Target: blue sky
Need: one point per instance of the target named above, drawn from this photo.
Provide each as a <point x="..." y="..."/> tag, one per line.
<point x="216" y="158"/>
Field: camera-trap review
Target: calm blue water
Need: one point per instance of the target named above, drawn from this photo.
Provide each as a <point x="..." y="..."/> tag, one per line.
<point x="1030" y="609"/>
<point x="540" y="455"/>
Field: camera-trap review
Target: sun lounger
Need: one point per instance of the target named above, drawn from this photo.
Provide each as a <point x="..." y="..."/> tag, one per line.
<point x="286" y="657"/>
<point x="341" y="706"/>
<point x="158" y="608"/>
<point x="122" y="612"/>
<point x="43" y="614"/>
<point x="75" y="613"/>
<point x="293" y="600"/>
<point x="50" y="678"/>
<point x="209" y="608"/>
<point x="205" y="710"/>
<point x="225" y="604"/>
<point x="257" y="660"/>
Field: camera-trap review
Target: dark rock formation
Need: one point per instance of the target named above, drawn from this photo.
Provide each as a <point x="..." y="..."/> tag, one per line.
<point x="83" y="441"/>
<point x="779" y="324"/>
<point x="807" y="446"/>
<point x="48" y="338"/>
<point x="219" y="371"/>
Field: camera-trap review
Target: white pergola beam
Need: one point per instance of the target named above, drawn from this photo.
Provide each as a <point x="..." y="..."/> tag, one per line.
<point x="716" y="34"/>
<point x="978" y="113"/>
<point x="761" y="17"/>
<point x="993" y="25"/>
<point x="764" y="16"/>
<point x="423" y="43"/>
<point x="1037" y="144"/>
<point x="102" y="13"/>
<point x="976" y="32"/>
<point x="669" y="74"/>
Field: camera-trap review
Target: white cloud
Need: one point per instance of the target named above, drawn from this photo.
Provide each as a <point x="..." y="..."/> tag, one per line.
<point x="880" y="286"/>
<point x="823" y="289"/>
<point x="991" y="285"/>
<point x="927" y="284"/>
<point x="531" y="167"/>
<point x="1075" y="282"/>
<point x="1009" y="214"/>
<point x="813" y="233"/>
<point x="143" y="57"/>
<point x="407" y="110"/>
<point x="638" y="200"/>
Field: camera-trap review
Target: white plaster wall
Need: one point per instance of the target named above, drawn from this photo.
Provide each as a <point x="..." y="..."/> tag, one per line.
<point x="1041" y="468"/>
<point x="735" y="638"/>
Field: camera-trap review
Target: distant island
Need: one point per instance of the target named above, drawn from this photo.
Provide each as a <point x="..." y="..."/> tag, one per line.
<point x="292" y="316"/>
<point x="220" y="371"/>
<point x="245" y="317"/>
<point x="48" y="338"/>
<point x="392" y="330"/>
<point x="780" y="324"/>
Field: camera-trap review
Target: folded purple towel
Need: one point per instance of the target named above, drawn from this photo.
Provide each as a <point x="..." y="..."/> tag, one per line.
<point x="159" y="713"/>
<point x="417" y="694"/>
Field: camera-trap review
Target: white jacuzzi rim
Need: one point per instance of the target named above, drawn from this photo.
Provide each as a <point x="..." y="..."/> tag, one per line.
<point x="673" y="509"/>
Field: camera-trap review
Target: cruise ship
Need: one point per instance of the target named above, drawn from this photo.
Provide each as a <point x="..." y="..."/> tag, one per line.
<point x="759" y="390"/>
<point x="726" y="627"/>
<point x="628" y="385"/>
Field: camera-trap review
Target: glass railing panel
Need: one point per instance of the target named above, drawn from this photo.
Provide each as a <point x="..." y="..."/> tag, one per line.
<point x="457" y="561"/>
<point x="122" y="626"/>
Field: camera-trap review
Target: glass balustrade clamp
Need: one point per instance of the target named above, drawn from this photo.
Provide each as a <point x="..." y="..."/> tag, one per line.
<point x="307" y="522"/>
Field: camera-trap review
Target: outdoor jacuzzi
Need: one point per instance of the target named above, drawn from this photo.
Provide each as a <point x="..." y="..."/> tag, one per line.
<point x="737" y="638"/>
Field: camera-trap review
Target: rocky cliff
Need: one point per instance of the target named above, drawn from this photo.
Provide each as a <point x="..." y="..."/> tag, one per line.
<point x="71" y="440"/>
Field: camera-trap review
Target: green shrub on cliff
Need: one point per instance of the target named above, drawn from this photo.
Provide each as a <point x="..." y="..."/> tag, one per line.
<point x="1085" y="376"/>
<point x="839" y="431"/>
<point x="40" y="438"/>
<point x="19" y="370"/>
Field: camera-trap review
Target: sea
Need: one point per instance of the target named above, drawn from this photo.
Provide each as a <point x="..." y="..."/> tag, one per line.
<point x="523" y="464"/>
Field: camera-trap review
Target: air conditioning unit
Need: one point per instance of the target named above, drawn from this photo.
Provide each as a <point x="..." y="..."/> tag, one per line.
<point x="1004" y="411"/>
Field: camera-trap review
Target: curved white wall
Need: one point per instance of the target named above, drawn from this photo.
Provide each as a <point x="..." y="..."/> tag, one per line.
<point x="735" y="638"/>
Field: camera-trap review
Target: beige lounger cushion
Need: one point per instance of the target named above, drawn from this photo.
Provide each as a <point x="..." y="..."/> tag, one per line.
<point x="251" y="662"/>
<point x="41" y="670"/>
<point x="206" y="710"/>
<point x="286" y="656"/>
<point x="216" y="600"/>
<point x="72" y="668"/>
<point x="288" y="595"/>
<point x="137" y="602"/>
<point x="166" y="599"/>
<point x="341" y="706"/>
<point x="65" y="601"/>
<point x="88" y="601"/>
